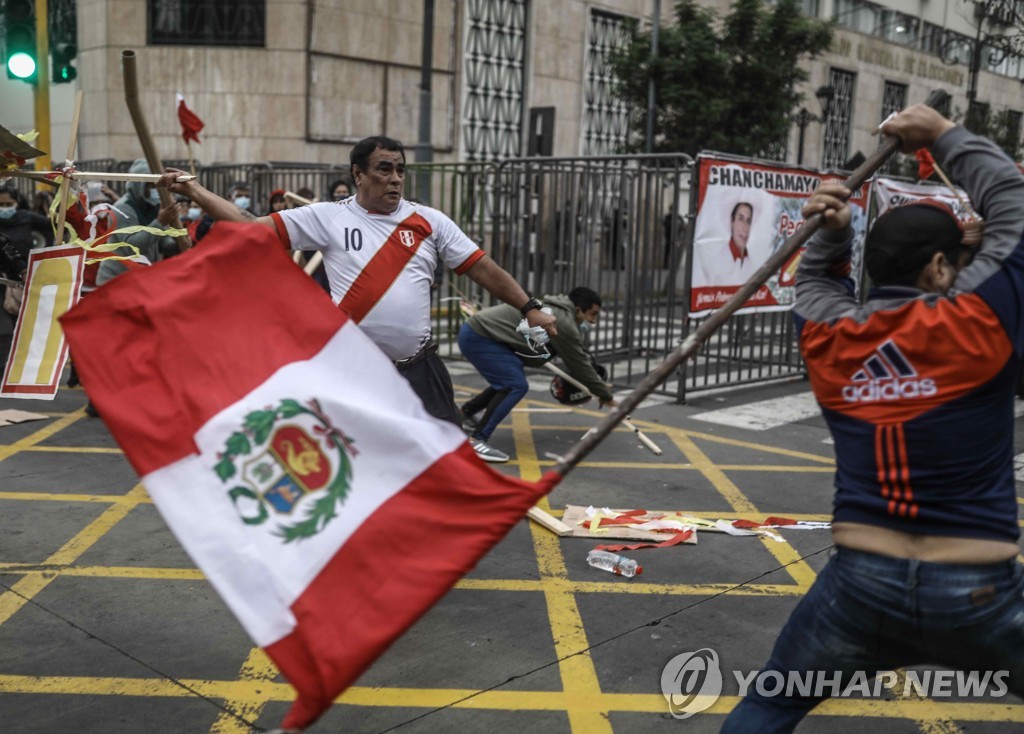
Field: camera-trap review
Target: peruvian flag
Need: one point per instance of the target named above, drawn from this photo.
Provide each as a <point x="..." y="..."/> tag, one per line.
<point x="288" y="456"/>
<point x="191" y="125"/>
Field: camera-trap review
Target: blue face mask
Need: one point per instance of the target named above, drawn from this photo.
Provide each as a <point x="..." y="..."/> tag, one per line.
<point x="242" y="202"/>
<point x="7" y="212"/>
<point x="584" y="327"/>
<point x="194" y="212"/>
<point x="154" y="197"/>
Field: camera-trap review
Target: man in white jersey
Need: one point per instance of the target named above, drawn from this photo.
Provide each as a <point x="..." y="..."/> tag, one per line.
<point x="380" y="252"/>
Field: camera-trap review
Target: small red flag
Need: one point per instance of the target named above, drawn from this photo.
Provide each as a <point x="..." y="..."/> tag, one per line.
<point x="190" y="122"/>
<point x="925" y="164"/>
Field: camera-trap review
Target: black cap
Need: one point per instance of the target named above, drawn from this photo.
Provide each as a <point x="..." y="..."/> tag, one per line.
<point x="904" y="239"/>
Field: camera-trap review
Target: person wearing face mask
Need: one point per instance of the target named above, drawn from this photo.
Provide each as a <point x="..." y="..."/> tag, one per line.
<point x="18" y="224"/>
<point x="339" y="190"/>
<point x="241" y="194"/>
<point x="19" y="228"/>
<point x="491" y="342"/>
<point x="139" y="205"/>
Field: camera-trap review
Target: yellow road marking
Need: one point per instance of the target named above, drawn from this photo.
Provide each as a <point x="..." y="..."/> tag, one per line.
<point x="259" y="669"/>
<point x="570" y="638"/>
<point x="57" y="497"/>
<point x="74" y="449"/>
<point x="494" y="700"/>
<point x="527" y="585"/>
<point x="783" y="552"/>
<point x="41" y="435"/>
<point x="23" y="591"/>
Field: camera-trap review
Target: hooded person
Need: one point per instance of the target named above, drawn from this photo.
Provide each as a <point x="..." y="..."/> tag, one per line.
<point x="139" y="205"/>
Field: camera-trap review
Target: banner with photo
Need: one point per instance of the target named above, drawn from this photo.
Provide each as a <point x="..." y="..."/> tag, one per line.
<point x="745" y="212"/>
<point x="890" y="193"/>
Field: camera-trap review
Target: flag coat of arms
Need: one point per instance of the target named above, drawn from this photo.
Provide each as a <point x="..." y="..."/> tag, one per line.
<point x="286" y="453"/>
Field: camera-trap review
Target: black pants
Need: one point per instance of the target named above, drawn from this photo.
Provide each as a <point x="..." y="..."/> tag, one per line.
<point x="430" y="380"/>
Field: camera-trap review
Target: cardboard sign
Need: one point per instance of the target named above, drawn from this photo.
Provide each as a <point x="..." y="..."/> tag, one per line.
<point x="38" y="353"/>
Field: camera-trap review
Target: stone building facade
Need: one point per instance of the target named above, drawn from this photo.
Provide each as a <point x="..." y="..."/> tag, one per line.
<point x="301" y="80"/>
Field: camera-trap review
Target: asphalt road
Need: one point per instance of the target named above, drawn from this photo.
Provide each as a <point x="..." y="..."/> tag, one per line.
<point x="106" y="625"/>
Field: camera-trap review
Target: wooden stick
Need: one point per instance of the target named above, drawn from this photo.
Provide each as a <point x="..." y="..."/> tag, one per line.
<point x="644" y="439"/>
<point x="711" y="324"/>
<point x="128" y="177"/>
<point x="548" y="521"/>
<point x="314" y="263"/>
<point x="39" y="176"/>
<point x="191" y="160"/>
<point x="131" y="98"/>
<point x="295" y="197"/>
<point x="62" y="205"/>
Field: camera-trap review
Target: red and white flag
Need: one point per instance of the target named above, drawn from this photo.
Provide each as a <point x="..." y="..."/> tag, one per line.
<point x="191" y="125"/>
<point x="292" y="461"/>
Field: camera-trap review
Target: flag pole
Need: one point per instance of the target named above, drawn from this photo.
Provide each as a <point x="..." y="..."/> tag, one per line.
<point x="710" y="325"/>
<point x="65" y="190"/>
<point x="191" y="160"/>
<point x="131" y="98"/>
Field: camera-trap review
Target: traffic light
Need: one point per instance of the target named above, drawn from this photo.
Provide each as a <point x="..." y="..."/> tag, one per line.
<point x="62" y="54"/>
<point x="19" y="30"/>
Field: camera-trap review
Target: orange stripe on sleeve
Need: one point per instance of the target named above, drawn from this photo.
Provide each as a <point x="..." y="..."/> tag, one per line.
<point x="890" y="455"/>
<point x="880" y="460"/>
<point x="469" y="262"/>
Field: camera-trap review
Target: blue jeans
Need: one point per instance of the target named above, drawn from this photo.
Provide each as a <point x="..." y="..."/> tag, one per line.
<point x="503" y="371"/>
<point x="867" y="612"/>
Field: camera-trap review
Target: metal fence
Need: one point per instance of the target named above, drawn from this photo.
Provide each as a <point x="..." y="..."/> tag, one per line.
<point x="617" y="224"/>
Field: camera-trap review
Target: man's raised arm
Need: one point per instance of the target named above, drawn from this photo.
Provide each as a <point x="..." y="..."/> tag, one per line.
<point x="217" y="207"/>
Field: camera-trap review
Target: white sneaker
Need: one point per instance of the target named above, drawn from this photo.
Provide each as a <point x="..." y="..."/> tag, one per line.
<point x="488" y="453"/>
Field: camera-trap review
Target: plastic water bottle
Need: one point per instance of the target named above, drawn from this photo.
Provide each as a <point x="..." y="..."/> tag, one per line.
<point x="614" y="562"/>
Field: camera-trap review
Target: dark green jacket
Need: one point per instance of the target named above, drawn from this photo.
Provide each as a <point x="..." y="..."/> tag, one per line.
<point x="499" y="323"/>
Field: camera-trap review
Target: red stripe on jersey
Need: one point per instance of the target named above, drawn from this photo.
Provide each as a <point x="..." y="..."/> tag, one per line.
<point x="385" y="266"/>
<point x="282" y="231"/>
<point x="469" y="262"/>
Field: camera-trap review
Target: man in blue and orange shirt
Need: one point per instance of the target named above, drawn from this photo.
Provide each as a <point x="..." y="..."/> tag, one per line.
<point x="917" y="387"/>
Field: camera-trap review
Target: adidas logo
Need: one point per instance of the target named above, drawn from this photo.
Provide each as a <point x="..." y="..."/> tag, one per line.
<point x="887" y="375"/>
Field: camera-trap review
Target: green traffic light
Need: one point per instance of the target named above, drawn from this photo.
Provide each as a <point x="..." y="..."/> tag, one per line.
<point x="21" y="65"/>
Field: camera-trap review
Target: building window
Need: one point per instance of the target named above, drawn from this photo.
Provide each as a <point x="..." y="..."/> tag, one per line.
<point x="206" y="22"/>
<point x="837" y="124"/>
<point x="894" y="99"/>
<point x="493" y="69"/>
<point x="605" y="117"/>
<point x="1013" y="125"/>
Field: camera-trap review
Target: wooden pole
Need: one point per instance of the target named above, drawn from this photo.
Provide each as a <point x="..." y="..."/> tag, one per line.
<point x="62" y="205"/>
<point x="643" y="437"/>
<point x="131" y="98"/>
<point x="710" y="325"/>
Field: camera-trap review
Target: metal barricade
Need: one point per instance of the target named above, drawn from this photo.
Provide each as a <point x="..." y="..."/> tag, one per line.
<point x="613" y="224"/>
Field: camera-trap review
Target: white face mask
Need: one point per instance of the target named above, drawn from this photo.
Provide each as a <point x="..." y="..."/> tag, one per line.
<point x="194" y="212"/>
<point x="584" y="327"/>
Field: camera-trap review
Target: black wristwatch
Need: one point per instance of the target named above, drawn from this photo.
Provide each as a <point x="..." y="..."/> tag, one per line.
<point x="530" y="305"/>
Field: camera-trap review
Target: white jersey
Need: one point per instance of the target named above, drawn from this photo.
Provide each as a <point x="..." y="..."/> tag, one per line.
<point x="381" y="266"/>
